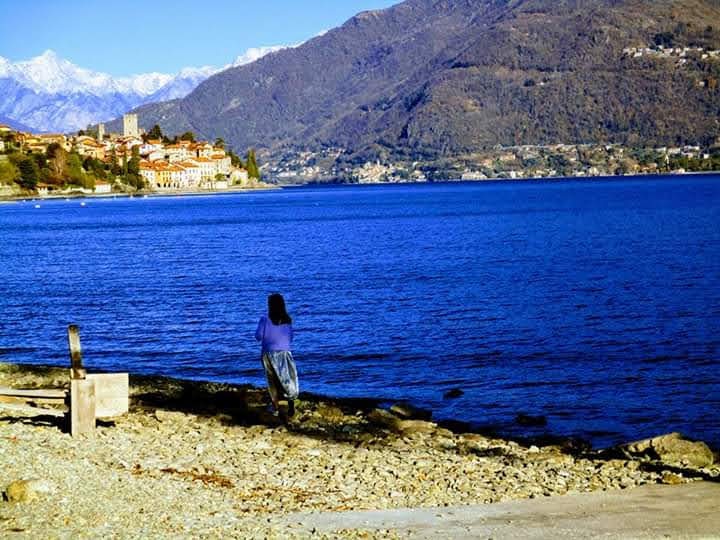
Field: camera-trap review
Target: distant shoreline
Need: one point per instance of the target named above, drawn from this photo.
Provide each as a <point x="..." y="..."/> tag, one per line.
<point x="138" y="195"/>
<point x="335" y="183"/>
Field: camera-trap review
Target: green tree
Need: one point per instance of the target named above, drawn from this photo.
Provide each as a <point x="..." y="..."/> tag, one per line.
<point x="666" y="39"/>
<point x="236" y="160"/>
<point x="155" y="133"/>
<point x="560" y="163"/>
<point x="133" y="166"/>
<point x="57" y="163"/>
<point x="188" y="136"/>
<point x="251" y="165"/>
<point x="94" y="167"/>
<point x="115" y="168"/>
<point x="679" y="162"/>
<point x="91" y="131"/>
<point x="29" y="173"/>
<point x="220" y="143"/>
<point x="75" y="174"/>
<point x="40" y="159"/>
<point x="9" y="173"/>
<point x="132" y="170"/>
<point x="46" y="175"/>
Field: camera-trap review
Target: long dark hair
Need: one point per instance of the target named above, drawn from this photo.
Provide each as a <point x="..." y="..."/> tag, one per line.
<point x="276" y="310"/>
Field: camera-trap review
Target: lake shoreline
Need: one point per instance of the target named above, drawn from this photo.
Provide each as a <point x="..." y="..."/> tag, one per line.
<point x="547" y="331"/>
<point x="208" y="459"/>
<point x="334" y="183"/>
<point x="137" y="195"/>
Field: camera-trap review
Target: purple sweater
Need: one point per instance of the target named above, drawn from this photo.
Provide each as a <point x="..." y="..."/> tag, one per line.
<point x="274" y="338"/>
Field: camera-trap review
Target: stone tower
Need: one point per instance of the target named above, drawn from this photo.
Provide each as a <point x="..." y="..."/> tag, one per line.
<point x="130" y="125"/>
<point x="101" y="132"/>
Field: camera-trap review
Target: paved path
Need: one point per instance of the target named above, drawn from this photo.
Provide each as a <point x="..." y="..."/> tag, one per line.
<point x="684" y="511"/>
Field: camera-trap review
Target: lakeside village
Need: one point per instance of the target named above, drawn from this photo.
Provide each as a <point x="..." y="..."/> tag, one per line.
<point x="502" y="162"/>
<point x="524" y="161"/>
<point x="100" y="163"/>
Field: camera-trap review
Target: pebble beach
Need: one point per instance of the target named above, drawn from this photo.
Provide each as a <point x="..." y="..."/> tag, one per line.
<point x="194" y="459"/>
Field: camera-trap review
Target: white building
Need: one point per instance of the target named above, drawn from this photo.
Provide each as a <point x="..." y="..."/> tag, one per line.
<point x="148" y="148"/>
<point x="204" y="149"/>
<point x="223" y="163"/>
<point x="177" y="152"/>
<point x="207" y="167"/>
<point x="103" y="187"/>
<point x="193" y="173"/>
<point x="149" y="174"/>
<point x="239" y="176"/>
<point x="155" y="155"/>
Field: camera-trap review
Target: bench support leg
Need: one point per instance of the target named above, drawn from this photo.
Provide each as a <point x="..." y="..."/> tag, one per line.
<point x="82" y="407"/>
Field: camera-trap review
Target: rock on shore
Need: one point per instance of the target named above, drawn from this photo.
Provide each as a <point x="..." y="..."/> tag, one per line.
<point x="203" y="459"/>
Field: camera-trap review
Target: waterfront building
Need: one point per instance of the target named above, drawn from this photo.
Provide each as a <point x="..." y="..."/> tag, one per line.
<point x="162" y="175"/>
<point x="207" y="168"/>
<point x="178" y="177"/>
<point x="223" y="163"/>
<point x="147" y="171"/>
<point x="103" y="187"/>
<point x="193" y="173"/>
<point x="239" y="176"/>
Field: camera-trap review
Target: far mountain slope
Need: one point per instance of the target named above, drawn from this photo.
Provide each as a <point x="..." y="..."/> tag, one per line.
<point x="49" y="93"/>
<point x="443" y="77"/>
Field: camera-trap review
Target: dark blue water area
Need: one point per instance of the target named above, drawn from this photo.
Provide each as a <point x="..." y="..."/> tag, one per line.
<point x="593" y="303"/>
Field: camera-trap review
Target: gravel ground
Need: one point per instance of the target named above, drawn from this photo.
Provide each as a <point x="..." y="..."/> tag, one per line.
<point x="206" y="460"/>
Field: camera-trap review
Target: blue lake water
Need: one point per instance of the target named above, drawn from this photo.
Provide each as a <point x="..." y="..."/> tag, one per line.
<point x="593" y="303"/>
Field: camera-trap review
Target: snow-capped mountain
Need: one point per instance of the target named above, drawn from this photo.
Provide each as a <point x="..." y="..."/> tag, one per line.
<point x="51" y="94"/>
<point x="256" y="53"/>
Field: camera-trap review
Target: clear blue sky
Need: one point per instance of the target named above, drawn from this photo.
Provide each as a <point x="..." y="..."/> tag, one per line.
<point x="138" y="36"/>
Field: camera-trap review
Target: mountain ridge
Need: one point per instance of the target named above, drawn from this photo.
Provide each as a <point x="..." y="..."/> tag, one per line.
<point x="49" y="93"/>
<point x="436" y="78"/>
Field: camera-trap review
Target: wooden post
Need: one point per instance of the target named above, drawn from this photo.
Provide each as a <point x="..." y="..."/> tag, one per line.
<point x="82" y="391"/>
<point x="76" y="366"/>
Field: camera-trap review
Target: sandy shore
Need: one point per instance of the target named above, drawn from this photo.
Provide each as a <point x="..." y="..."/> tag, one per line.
<point x="206" y="460"/>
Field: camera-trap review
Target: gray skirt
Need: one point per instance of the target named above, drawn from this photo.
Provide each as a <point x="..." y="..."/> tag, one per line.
<point x="280" y="367"/>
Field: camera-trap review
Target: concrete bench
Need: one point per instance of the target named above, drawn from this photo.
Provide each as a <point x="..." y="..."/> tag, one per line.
<point x="90" y="397"/>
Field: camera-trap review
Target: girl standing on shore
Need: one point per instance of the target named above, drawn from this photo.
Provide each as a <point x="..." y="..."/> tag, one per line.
<point x="275" y="333"/>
